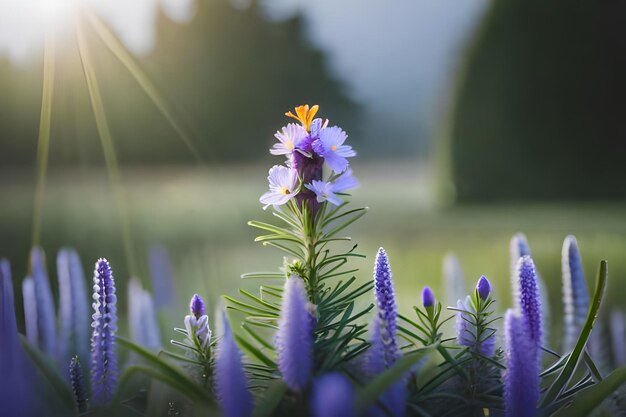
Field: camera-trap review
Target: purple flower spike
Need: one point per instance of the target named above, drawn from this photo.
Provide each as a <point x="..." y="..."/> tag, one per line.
<point x="484" y="287"/>
<point x="283" y="186"/>
<point x="231" y="383"/>
<point x="17" y="394"/>
<point x="46" y="317"/>
<point x="617" y="326"/>
<point x="521" y="378"/>
<point x="73" y="307"/>
<point x="519" y="247"/>
<point x="78" y="385"/>
<point x="333" y="396"/>
<point x="428" y="298"/>
<point x="196" y="306"/>
<point x="294" y="339"/>
<point x="104" y="324"/>
<point x="386" y="303"/>
<point x="30" y="310"/>
<point x="530" y="302"/>
<point x="454" y="279"/>
<point x="162" y="277"/>
<point x="330" y="146"/>
<point x="575" y="295"/>
<point x="142" y="319"/>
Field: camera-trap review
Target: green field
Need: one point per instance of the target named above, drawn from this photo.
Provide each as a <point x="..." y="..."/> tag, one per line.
<point x="200" y="216"/>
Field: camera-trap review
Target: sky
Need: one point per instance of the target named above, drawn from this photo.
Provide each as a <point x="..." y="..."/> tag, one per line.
<point x="398" y="57"/>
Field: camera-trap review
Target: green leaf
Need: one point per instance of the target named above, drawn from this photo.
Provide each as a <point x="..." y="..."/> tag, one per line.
<point x="593" y="396"/>
<point x="50" y="372"/>
<point x="564" y="377"/>
<point x="167" y="373"/>
<point x="370" y="393"/>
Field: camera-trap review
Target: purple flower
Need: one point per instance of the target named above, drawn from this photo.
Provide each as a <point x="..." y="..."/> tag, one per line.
<point x="453" y="277"/>
<point x="162" y="277"/>
<point x="575" y="295"/>
<point x="330" y="146"/>
<point x="333" y="396"/>
<point x="231" y="384"/>
<point x="288" y="139"/>
<point x="73" y="307"/>
<point x="283" y="186"/>
<point x="78" y="385"/>
<point x="196" y="306"/>
<point x="530" y="302"/>
<point x="428" y="298"/>
<point x="386" y="303"/>
<point x="325" y="191"/>
<point x="46" y="318"/>
<point x="518" y="247"/>
<point x="393" y="400"/>
<point x="484" y="287"/>
<point x="294" y="339"/>
<point x="521" y="378"/>
<point x="30" y="310"/>
<point x="18" y="394"/>
<point x="142" y="320"/>
<point x="197" y="324"/>
<point x="617" y="326"/>
<point x="104" y="324"/>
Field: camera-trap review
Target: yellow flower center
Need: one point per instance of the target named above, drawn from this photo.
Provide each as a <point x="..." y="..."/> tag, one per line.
<point x="304" y="115"/>
<point x="284" y="190"/>
<point x="333" y="148"/>
<point x="290" y="145"/>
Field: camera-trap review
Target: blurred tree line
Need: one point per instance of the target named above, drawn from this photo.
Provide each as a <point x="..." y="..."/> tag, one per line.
<point x="230" y="74"/>
<point x="541" y="104"/>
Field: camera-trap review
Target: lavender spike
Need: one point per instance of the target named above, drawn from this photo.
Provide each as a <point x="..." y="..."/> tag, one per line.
<point x="333" y="396"/>
<point x="521" y="378"/>
<point x="142" y="320"/>
<point x="454" y="279"/>
<point x="295" y="338"/>
<point x="103" y="356"/>
<point x="618" y="337"/>
<point x="17" y="396"/>
<point x="78" y="385"/>
<point x="162" y="277"/>
<point x="30" y="310"/>
<point x="575" y="294"/>
<point x="530" y="302"/>
<point x="46" y="318"/>
<point x="73" y="307"/>
<point x="386" y="303"/>
<point x="231" y="383"/>
<point x="197" y="323"/>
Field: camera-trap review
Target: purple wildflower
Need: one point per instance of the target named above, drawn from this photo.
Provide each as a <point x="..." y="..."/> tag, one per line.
<point x="19" y="378"/>
<point x="428" y="298"/>
<point x="325" y="191"/>
<point x="294" y="339"/>
<point x="78" y="385"/>
<point x="283" y="186"/>
<point x="162" y="277"/>
<point x="519" y="247"/>
<point x="196" y="306"/>
<point x="483" y="287"/>
<point x="30" y="310"/>
<point x="386" y="303"/>
<point x="575" y="295"/>
<point x="453" y="277"/>
<point x="391" y="402"/>
<point x="197" y="323"/>
<point x="330" y="146"/>
<point x="73" y="307"/>
<point x="530" y="302"/>
<point x="288" y="139"/>
<point x="521" y="378"/>
<point x="142" y="320"/>
<point x="333" y="396"/>
<point x="103" y="357"/>
<point x="231" y="383"/>
<point x="46" y="318"/>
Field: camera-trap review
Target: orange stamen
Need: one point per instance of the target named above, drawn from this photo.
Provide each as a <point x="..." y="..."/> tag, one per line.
<point x="304" y="115"/>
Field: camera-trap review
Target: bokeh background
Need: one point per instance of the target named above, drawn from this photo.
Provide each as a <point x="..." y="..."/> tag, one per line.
<point x="473" y="120"/>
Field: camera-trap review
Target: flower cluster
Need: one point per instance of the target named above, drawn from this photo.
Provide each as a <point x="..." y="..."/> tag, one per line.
<point x="307" y="146"/>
